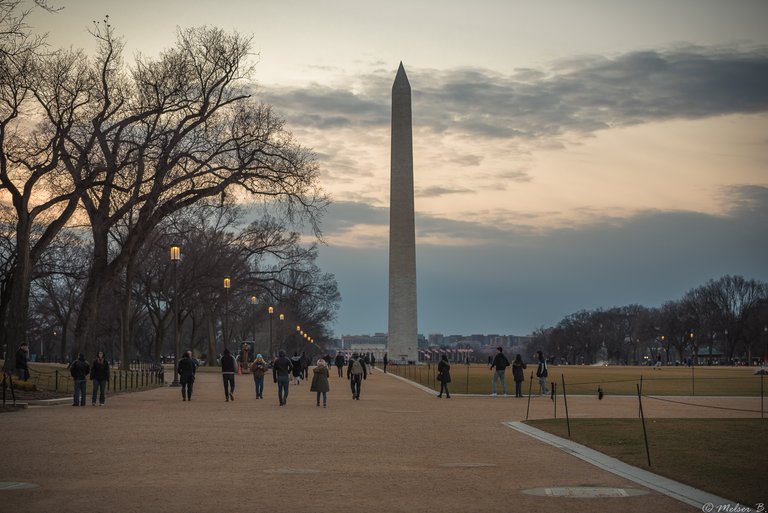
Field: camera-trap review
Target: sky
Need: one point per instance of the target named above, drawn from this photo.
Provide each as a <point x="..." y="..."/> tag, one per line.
<point x="567" y="155"/>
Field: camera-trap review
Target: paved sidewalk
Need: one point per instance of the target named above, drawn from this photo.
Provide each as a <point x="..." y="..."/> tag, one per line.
<point x="397" y="449"/>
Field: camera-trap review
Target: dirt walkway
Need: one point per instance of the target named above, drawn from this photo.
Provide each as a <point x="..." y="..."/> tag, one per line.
<point x="398" y="449"/>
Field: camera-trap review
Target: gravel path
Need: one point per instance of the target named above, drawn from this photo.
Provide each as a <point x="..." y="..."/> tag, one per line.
<point x="398" y="449"/>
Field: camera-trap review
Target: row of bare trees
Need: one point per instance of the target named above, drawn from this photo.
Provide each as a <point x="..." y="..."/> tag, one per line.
<point x="102" y="162"/>
<point x="727" y="316"/>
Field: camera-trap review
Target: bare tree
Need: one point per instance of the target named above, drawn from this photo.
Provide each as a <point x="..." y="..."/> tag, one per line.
<point x="176" y="131"/>
<point x="40" y="98"/>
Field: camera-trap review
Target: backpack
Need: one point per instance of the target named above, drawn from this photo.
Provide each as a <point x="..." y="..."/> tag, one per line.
<point x="542" y="371"/>
<point x="357" y="367"/>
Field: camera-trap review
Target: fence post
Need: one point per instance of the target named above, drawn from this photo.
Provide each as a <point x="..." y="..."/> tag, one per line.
<point x="56" y="386"/>
<point x="565" y="400"/>
<point x="467" y="387"/>
<point x="642" y="419"/>
<point x="530" y="387"/>
<point x="554" y="396"/>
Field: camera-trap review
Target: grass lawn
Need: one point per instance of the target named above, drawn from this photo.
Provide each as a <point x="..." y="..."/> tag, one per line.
<point x="614" y="380"/>
<point x="56" y="378"/>
<point x="726" y="457"/>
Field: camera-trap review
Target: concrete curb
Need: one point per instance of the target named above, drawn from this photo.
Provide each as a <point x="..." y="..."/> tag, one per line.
<point x="676" y="490"/>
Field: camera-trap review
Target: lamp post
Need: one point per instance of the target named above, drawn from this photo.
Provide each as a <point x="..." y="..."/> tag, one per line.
<point x="227" y="285"/>
<point x="282" y="331"/>
<point x="271" y="311"/>
<point x="254" y="300"/>
<point x="175" y="257"/>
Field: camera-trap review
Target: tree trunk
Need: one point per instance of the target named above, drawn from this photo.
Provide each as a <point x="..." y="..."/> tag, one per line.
<point x="211" y="341"/>
<point x="14" y="323"/>
<point x="125" y="317"/>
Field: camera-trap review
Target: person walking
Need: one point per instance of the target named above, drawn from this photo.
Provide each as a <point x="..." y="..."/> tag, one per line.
<point x="297" y="368"/>
<point x="320" y="383"/>
<point x="79" y="371"/>
<point x="306" y="361"/>
<point x="22" y="361"/>
<point x="258" y="370"/>
<point x="228" y="369"/>
<point x="542" y="371"/>
<point x="386" y="361"/>
<point x="444" y="376"/>
<point x="518" y="366"/>
<point x="340" y="363"/>
<point x="186" y="370"/>
<point x="500" y="363"/>
<point x="281" y="374"/>
<point x="99" y="378"/>
<point x="356" y="373"/>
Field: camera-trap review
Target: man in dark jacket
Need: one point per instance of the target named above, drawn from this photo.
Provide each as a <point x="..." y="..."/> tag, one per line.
<point x="99" y="378"/>
<point x="79" y="370"/>
<point x="500" y="363"/>
<point x="340" y="363"/>
<point x="228" y="367"/>
<point x="22" y="356"/>
<point x="281" y="374"/>
<point x="186" y="370"/>
<point x="356" y="373"/>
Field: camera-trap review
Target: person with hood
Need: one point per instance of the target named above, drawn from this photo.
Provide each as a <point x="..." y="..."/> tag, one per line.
<point x="444" y="376"/>
<point x="99" y="378"/>
<point x="356" y="373"/>
<point x="500" y="363"/>
<point x="518" y="366"/>
<point x="281" y="374"/>
<point x="258" y="369"/>
<point x="186" y="370"/>
<point x="340" y="363"/>
<point x="79" y="370"/>
<point x="320" y="383"/>
<point x="228" y="369"/>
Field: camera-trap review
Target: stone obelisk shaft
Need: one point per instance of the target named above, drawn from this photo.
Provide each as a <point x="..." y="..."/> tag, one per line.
<point x="403" y="333"/>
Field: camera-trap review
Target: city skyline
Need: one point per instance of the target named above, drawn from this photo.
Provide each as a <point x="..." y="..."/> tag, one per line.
<point x="566" y="156"/>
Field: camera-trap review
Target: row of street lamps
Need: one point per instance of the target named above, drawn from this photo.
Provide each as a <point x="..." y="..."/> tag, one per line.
<point x="175" y="257"/>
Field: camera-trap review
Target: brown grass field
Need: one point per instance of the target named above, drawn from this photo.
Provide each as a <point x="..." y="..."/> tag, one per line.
<point x="614" y="380"/>
<point x="723" y="456"/>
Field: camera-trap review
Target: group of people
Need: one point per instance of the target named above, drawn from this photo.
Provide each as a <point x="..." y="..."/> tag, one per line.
<point x="98" y="370"/>
<point x="283" y="369"/>
<point x="500" y="363"/>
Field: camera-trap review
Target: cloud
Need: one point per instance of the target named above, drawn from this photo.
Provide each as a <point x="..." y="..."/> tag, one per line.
<point x="532" y="278"/>
<point x="579" y="95"/>
<point x="438" y="191"/>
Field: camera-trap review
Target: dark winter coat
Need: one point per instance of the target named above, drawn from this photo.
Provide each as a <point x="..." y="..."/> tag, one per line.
<point x="298" y="365"/>
<point x="339" y="360"/>
<point x="281" y="367"/>
<point x="228" y="363"/>
<point x="444" y="371"/>
<point x="100" y="371"/>
<point x="517" y="371"/>
<point x="500" y="362"/>
<point x="79" y="370"/>
<point x="21" y="359"/>
<point x="186" y="370"/>
<point x="320" y="381"/>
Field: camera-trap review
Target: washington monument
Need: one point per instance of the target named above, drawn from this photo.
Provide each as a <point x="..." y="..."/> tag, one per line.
<point x="403" y="333"/>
